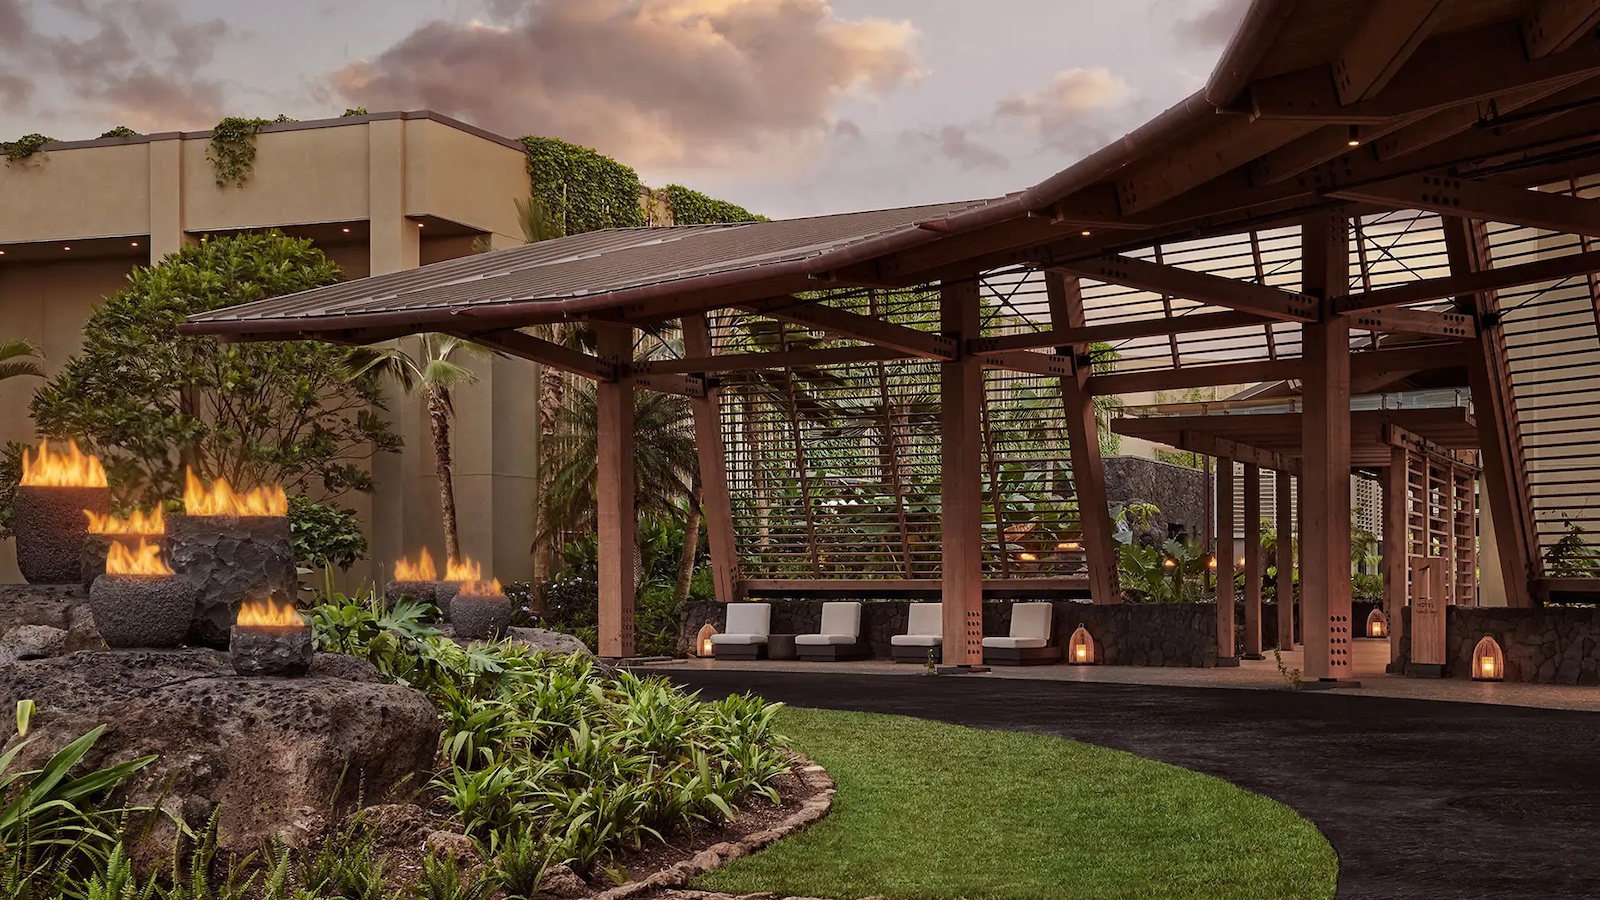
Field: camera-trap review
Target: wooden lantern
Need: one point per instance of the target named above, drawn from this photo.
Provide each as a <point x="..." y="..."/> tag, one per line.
<point x="1488" y="661"/>
<point x="1377" y="624"/>
<point x="1080" y="650"/>
<point x="702" y="641"/>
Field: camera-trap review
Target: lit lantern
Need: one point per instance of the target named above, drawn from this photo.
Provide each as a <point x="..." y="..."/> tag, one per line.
<point x="1212" y="563"/>
<point x="1488" y="662"/>
<point x="702" y="641"/>
<point x="1080" y="650"/>
<point x="1377" y="624"/>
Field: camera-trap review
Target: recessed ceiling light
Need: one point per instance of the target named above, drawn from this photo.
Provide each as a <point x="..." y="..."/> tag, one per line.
<point x="66" y="248"/>
<point x="2" y="253"/>
<point x="1086" y="234"/>
<point x="1355" y="136"/>
<point x="345" y="230"/>
<point x="419" y="224"/>
<point x="134" y="244"/>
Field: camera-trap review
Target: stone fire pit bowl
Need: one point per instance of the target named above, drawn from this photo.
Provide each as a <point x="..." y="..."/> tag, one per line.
<point x="50" y="527"/>
<point x="230" y="558"/>
<point x="268" y="650"/>
<point x="437" y="593"/>
<point x="92" y="562"/>
<point x="149" y="611"/>
<point x="478" y="617"/>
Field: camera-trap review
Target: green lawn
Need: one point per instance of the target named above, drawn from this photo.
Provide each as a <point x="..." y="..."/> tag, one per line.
<point x="927" y="811"/>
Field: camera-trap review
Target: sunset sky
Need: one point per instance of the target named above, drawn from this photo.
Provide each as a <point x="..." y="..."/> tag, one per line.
<point x="790" y="107"/>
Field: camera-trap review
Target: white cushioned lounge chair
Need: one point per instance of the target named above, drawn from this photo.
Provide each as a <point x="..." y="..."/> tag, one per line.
<point x="840" y="637"/>
<point x="1029" y="641"/>
<point x="924" y="633"/>
<point x="749" y="624"/>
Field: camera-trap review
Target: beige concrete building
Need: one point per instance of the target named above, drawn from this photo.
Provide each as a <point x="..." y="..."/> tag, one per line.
<point x="377" y="193"/>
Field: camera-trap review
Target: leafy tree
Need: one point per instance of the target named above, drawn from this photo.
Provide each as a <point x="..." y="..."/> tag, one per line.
<point x="151" y="401"/>
<point x="433" y="371"/>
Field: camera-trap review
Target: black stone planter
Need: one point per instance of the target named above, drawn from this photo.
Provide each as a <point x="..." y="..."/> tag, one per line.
<point x="230" y="559"/>
<point x="271" y="649"/>
<point x="153" y="611"/>
<point x="92" y="562"/>
<point x="480" y="618"/>
<point x="50" y="527"/>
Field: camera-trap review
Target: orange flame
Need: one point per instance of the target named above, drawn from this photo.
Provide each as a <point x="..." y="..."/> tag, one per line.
<point x="220" y="500"/>
<point x="269" y="613"/>
<point x="138" y="523"/>
<point x="490" y="588"/>
<point x="422" y="570"/>
<point x="144" y="560"/>
<point x="71" y="469"/>
<point x="463" y="570"/>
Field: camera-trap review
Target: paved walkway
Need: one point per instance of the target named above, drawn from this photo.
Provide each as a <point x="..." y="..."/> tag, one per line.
<point x="1420" y="799"/>
<point x="1370" y="658"/>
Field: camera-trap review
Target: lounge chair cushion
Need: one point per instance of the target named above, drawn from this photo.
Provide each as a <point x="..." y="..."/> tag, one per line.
<point x="747" y="619"/>
<point x="925" y="619"/>
<point x="841" y="624"/>
<point x="916" y="640"/>
<point x="1029" y="620"/>
<point x="738" y="639"/>
<point x="823" y="640"/>
<point x="1014" y="643"/>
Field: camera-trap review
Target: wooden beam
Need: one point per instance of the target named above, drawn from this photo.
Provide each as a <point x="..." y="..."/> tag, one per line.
<point x="1252" y="562"/>
<point x="682" y="385"/>
<point x="1505" y="466"/>
<point x="614" y="501"/>
<point x="1083" y="446"/>
<point x="1120" y="331"/>
<point x="1027" y="361"/>
<point x="1194" y="376"/>
<point x="1223" y="448"/>
<point x="524" y="345"/>
<point x="1329" y="142"/>
<point x="1325" y="575"/>
<point x="858" y="327"/>
<point x="744" y="362"/>
<point x="1227" y="638"/>
<point x="1477" y="200"/>
<point x="1553" y="269"/>
<point x="1435" y="126"/>
<point x="1381" y="44"/>
<point x="1553" y="26"/>
<point x="1193" y="162"/>
<point x="1414" y="321"/>
<point x="961" y="481"/>
<point x="1200" y="287"/>
<point x="1396" y="529"/>
<point x="1446" y="71"/>
<point x="713" y="458"/>
<point x="1284" y="486"/>
<point x="856" y="588"/>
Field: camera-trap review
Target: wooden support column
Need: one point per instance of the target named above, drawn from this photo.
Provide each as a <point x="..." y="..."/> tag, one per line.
<point x="1252" y="562"/>
<point x="713" y="468"/>
<point x="614" y="496"/>
<point x="1505" y="468"/>
<point x="1227" y="642"/>
<point x="1083" y="444"/>
<point x="1395" y="530"/>
<point x="1325" y="542"/>
<point x="1285" y="518"/>
<point x="961" y="480"/>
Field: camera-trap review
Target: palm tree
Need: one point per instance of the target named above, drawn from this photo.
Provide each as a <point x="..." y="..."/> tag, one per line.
<point x="432" y="371"/>
<point x="18" y="358"/>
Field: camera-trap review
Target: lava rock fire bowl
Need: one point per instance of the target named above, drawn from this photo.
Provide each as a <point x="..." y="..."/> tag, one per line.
<point x="92" y="561"/>
<point x="150" y="611"/>
<point x="230" y="558"/>
<point x="437" y="593"/>
<point x="50" y="528"/>
<point x="480" y="617"/>
<point x="259" y="650"/>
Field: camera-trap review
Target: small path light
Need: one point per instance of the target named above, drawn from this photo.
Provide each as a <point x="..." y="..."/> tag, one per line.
<point x="1488" y="662"/>
<point x="1080" y="650"/>
<point x="1377" y="624"/>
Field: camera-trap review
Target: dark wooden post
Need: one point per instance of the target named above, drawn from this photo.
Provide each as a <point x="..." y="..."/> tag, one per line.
<point x="713" y="468"/>
<point x="614" y="495"/>
<point x="961" y="480"/>
<point x="1395" y="525"/>
<point x="1227" y="641"/>
<point x="1083" y="444"/>
<point x="1285" y="490"/>
<point x="1325" y="542"/>
<point x="1252" y="562"/>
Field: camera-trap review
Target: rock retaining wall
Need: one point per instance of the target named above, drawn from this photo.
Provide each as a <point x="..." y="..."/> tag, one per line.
<point x="1554" y="645"/>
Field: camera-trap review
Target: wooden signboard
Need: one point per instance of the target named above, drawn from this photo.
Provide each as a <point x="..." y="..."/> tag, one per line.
<point x="1429" y="600"/>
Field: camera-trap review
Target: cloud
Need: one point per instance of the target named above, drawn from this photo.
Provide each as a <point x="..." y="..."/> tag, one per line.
<point x="655" y="82"/>
<point x="954" y="143"/>
<point x="134" y="62"/>
<point x="1066" y="114"/>
<point x="1213" y="26"/>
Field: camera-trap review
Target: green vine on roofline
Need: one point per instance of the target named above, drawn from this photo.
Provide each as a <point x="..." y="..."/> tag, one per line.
<point x="690" y="207"/>
<point x="23" y="147"/>
<point x="354" y="111"/>
<point x="582" y="189"/>
<point x="121" y="131"/>
<point x="233" y="148"/>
